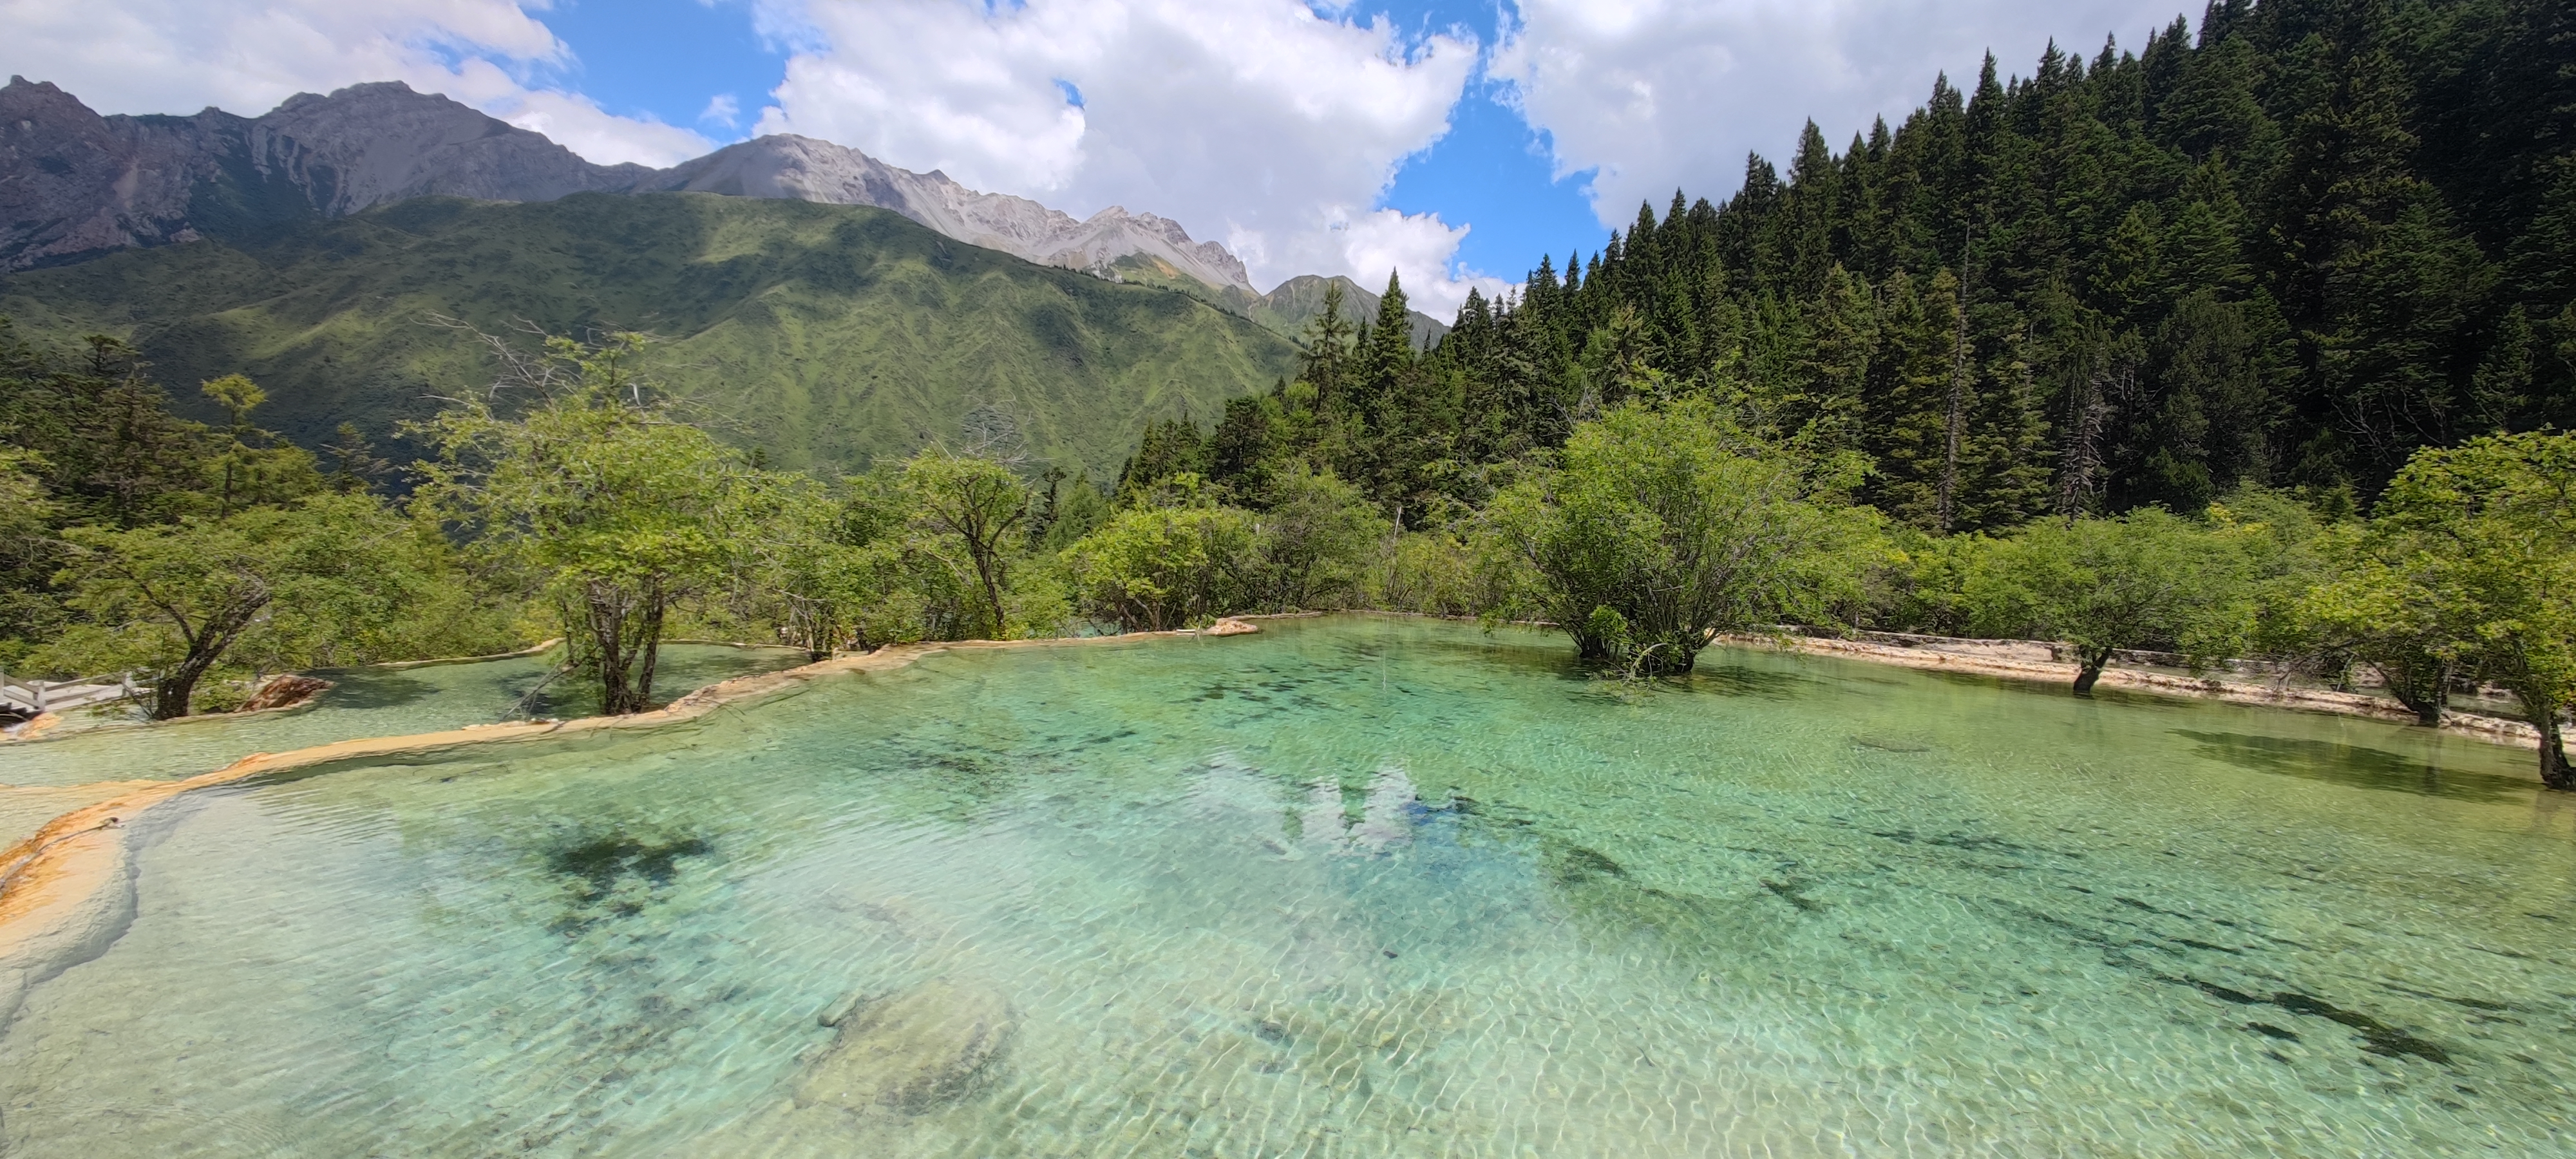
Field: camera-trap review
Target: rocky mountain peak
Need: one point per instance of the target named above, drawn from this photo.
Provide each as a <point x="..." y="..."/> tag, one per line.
<point x="790" y="166"/>
<point x="383" y="142"/>
<point x="75" y="185"/>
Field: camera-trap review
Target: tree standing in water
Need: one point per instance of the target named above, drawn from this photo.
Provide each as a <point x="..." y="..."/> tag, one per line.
<point x="307" y="583"/>
<point x="2145" y="578"/>
<point x="2485" y="539"/>
<point x="1660" y="527"/>
<point x="600" y="496"/>
<point x="971" y="505"/>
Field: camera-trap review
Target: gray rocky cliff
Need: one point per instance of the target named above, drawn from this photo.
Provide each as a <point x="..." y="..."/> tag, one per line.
<point x="74" y="184"/>
<point x="789" y="166"/>
<point x="373" y="143"/>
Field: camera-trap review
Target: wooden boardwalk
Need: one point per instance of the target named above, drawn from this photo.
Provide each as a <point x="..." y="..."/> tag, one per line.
<point x="37" y="697"/>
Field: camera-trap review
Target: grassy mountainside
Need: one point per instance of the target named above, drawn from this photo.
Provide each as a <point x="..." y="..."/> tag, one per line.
<point x="1287" y="309"/>
<point x="824" y="334"/>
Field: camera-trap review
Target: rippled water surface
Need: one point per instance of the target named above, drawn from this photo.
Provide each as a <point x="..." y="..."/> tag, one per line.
<point x="1350" y="887"/>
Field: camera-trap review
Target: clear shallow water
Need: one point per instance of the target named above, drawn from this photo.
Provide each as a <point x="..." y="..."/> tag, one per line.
<point x="1357" y="888"/>
<point x="363" y="702"/>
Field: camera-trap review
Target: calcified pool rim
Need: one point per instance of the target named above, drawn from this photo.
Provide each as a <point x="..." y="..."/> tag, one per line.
<point x="69" y="888"/>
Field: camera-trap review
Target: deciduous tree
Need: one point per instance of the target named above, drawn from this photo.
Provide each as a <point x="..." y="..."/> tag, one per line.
<point x="1660" y="527"/>
<point x="599" y="495"/>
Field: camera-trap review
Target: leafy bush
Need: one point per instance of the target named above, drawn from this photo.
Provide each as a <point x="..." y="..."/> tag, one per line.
<point x="1659" y="527"/>
<point x="2145" y="579"/>
<point x="1165" y="567"/>
<point x="1316" y="545"/>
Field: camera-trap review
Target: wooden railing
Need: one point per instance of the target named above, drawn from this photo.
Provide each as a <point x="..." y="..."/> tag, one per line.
<point x="42" y="696"/>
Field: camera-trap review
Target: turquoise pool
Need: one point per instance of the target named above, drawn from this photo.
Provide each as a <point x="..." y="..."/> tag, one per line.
<point x="1349" y="887"/>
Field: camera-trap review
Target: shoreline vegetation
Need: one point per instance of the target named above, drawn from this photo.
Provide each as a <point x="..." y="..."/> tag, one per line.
<point x="1972" y="655"/>
<point x="574" y="501"/>
<point x="2470" y="725"/>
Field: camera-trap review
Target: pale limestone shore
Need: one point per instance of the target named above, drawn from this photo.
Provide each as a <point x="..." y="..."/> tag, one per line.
<point x="2493" y="729"/>
<point x="67" y="891"/>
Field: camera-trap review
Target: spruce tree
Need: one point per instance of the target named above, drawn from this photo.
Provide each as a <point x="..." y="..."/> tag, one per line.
<point x="1385" y="351"/>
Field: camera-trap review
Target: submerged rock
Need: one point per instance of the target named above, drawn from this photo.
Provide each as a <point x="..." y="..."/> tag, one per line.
<point x="928" y="1045"/>
<point x="285" y="692"/>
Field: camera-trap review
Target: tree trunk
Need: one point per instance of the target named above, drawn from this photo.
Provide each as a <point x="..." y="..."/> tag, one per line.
<point x="811" y="623"/>
<point x="985" y="568"/>
<point x="2554" y="770"/>
<point x="1672" y="657"/>
<point x="2095" y="659"/>
<point x="650" y="645"/>
<point x="172" y="692"/>
<point x="1955" y="420"/>
<point x="609" y="609"/>
<point x="2422" y="684"/>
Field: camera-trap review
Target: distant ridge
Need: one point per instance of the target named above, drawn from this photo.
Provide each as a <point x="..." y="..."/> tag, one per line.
<point x="804" y="169"/>
<point x="75" y="185"/>
<point x="827" y="336"/>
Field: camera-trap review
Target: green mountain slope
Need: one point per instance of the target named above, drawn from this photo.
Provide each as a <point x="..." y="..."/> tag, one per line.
<point x="1288" y="309"/>
<point x="824" y="334"/>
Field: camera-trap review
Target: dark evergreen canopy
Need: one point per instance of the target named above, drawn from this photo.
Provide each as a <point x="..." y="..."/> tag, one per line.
<point x="2290" y="249"/>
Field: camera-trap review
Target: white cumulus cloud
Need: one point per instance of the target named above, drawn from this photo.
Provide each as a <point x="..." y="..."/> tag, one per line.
<point x="722" y="109"/>
<point x="1257" y="123"/>
<point x="177" y="56"/>
<point x="1659" y="94"/>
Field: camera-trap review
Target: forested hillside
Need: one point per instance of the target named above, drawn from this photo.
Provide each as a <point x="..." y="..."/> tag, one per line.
<point x="2290" y="246"/>
<point x="2256" y="344"/>
<point x="823" y="335"/>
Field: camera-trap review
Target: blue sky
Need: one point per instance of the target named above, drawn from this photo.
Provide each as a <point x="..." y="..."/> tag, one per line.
<point x="669" y="60"/>
<point x="1493" y="173"/>
<point x="1453" y="140"/>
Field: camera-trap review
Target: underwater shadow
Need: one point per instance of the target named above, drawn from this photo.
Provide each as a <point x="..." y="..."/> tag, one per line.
<point x="1705" y="679"/>
<point x="1523" y="655"/>
<point x="2352" y="765"/>
<point x="1741" y="680"/>
<point x="359" y="688"/>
